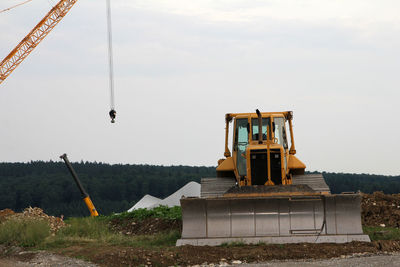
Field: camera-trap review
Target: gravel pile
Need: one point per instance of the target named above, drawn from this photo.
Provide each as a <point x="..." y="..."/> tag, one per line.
<point x="55" y="223"/>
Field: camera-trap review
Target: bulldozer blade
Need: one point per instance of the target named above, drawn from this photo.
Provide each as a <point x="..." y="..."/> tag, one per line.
<point x="290" y="219"/>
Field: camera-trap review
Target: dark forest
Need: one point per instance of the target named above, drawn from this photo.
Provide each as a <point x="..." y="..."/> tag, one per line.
<point x="116" y="188"/>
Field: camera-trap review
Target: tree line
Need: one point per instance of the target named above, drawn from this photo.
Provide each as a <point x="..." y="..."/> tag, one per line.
<point x="117" y="187"/>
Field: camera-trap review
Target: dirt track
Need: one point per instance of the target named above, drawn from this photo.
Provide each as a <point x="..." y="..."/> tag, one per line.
<point x="356" y="261"/>
<point x="19" y="258"/>
<point x="272" y="255"/>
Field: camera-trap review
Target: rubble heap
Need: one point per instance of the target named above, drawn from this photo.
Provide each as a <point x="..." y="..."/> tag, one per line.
<point x="55" y="223"/>
<point x="5" y="213"/>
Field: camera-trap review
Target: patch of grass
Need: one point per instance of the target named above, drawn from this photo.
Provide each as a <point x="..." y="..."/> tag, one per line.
<point x="158" y="240"/>
<point x="95" y="231"/>
<point x="88" y="232"/>
<point x="79" y="231"/>
<point x="382" y="233"/>
<point x="114" y="239"/>
<point x="63" y="242"/>
<point x="24" y="233"/>
<point x="162" y="212"/>
<point x="233" y="244"/>
<point x="88" y="227"/>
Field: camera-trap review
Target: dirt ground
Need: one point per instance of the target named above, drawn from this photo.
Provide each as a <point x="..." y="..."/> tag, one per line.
<point x="113" y="256"/>
<point x="190" y="255"/>
<point x="377" y="210"/>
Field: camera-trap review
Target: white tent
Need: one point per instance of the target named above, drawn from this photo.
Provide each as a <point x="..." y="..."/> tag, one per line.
<point x="145" y="202"/>
<point x="191" y="189"/>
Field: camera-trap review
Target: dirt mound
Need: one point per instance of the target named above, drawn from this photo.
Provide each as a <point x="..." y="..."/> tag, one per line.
<point x="55" y="223"/>
<point x="379" y="209"/>
<point x="131" y="226"/>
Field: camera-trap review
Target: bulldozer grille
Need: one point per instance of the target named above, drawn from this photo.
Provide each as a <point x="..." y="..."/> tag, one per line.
<point x="259" y="167"/>
<point x="276" y="168"/>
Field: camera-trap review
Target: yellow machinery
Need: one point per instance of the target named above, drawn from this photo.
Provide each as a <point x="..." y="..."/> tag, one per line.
<point x="85" y="196"/>
<point x="34" y="37"/>
<point x="262" y="194"/>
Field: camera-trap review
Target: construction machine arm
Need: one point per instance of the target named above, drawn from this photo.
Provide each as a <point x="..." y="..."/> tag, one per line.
<point x="85" y="196"/>
<point x="38" y="33"/>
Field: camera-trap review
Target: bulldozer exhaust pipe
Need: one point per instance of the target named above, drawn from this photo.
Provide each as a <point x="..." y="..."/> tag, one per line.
<point x="260" y="134"/>
<point x="85" y="195"/>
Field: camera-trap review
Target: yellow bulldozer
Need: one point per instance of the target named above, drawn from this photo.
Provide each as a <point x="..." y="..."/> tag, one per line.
<point x="262" y="194"/>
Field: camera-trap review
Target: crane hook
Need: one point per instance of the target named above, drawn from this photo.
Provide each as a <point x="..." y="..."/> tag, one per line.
<point x="112" y="114"/>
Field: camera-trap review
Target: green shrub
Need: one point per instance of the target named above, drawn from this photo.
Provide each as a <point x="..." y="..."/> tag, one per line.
<point x="25" y="233"/>
<point x="163" y="212"/>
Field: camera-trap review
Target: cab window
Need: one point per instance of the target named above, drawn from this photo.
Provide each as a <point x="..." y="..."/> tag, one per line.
<point x="254" y="128"/>
<point x="280" y="131"/>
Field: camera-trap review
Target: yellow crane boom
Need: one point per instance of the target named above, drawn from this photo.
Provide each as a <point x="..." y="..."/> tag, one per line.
<point x="38" y="33"/>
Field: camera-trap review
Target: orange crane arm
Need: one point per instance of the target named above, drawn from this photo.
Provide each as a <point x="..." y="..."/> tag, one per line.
<point x="25" y="47"/>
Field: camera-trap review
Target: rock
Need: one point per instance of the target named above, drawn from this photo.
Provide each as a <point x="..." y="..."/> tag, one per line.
<point x="236" y="262"/>
<point x="382" y="225"/>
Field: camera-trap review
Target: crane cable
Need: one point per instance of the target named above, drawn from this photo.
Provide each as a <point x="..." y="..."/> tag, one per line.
<point x="112" y="112"/>
<point x="20" y="4"/>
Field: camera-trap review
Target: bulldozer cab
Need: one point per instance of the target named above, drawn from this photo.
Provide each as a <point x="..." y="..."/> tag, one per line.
<point x="260" y="148"/>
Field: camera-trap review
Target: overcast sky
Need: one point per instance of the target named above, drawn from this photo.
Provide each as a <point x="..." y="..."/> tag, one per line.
<point x="181" y="65"/>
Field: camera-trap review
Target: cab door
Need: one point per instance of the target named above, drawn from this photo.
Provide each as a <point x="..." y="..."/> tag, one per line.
<point x="240" y="143"/>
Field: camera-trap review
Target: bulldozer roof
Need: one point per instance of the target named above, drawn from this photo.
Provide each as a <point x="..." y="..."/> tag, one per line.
<point x="286" y="114"/>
